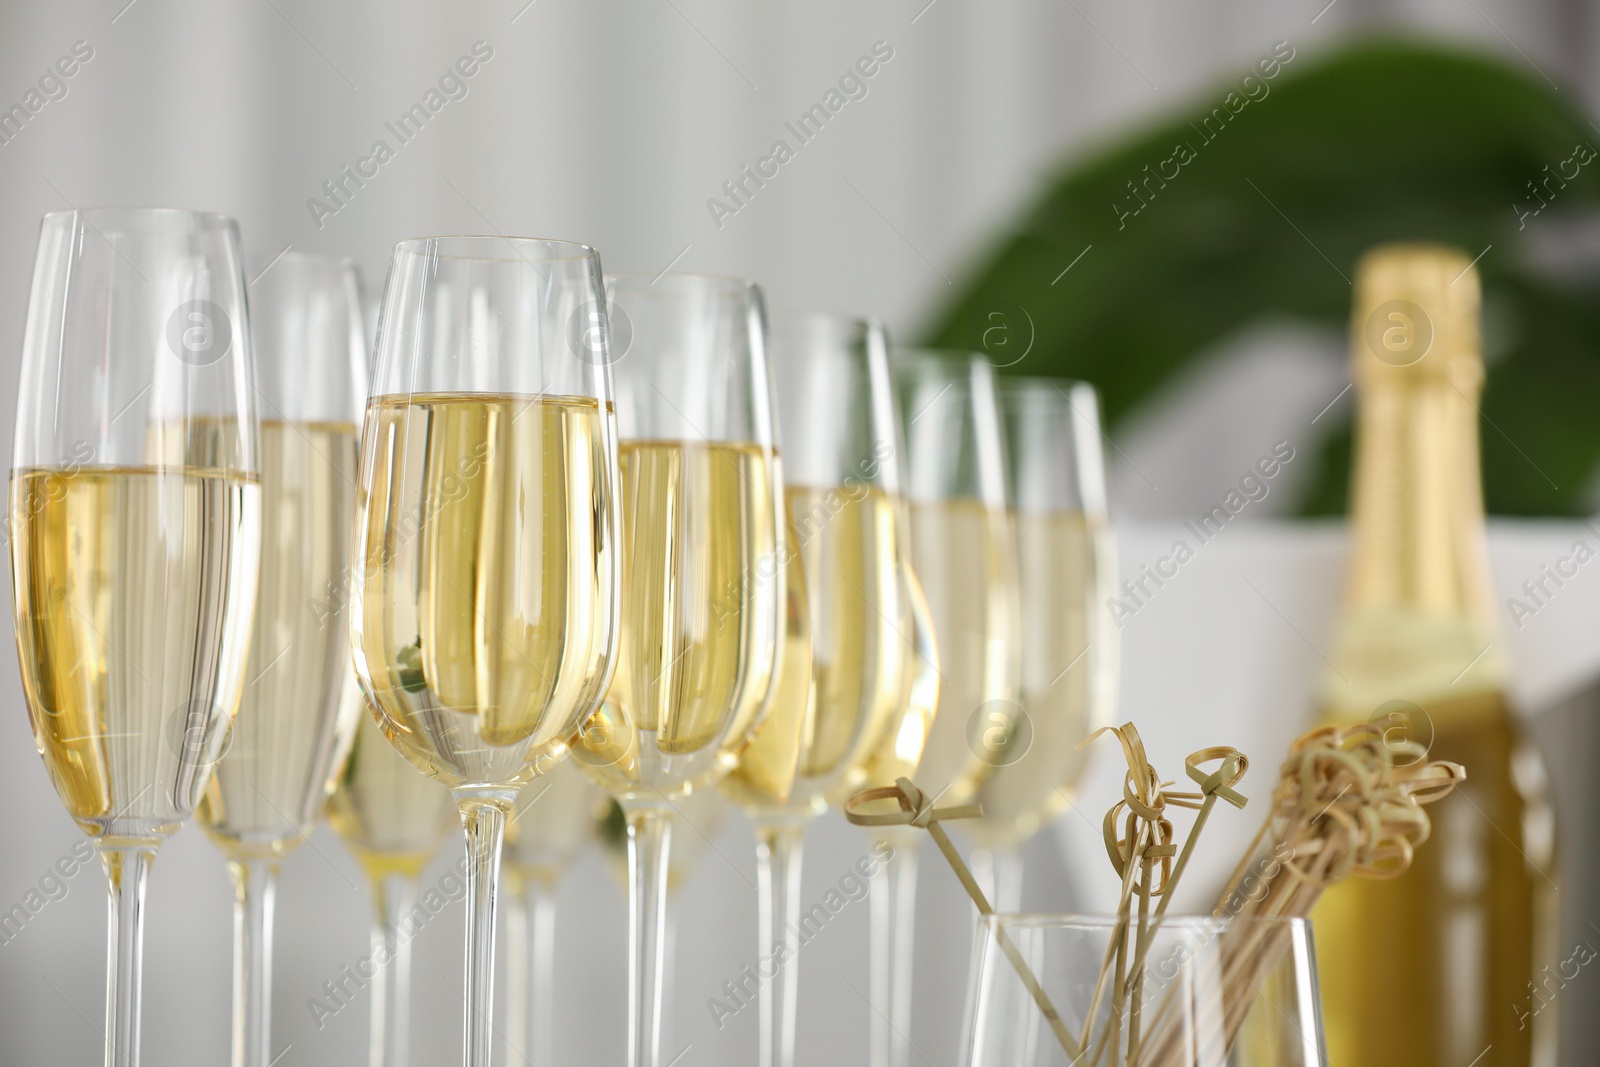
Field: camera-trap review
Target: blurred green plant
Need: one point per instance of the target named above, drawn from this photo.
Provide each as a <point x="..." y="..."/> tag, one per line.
<point x="1380" y="142"/>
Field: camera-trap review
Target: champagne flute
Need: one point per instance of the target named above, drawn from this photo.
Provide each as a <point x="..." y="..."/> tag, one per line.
<point x="962" y="556"/>
<point x="839" y="689"/>
<point x="298" y="710"/>
<point x="485" y="618"/>
<point x="553" y="823"/>
<point x="393" y="820"/>
<point x="1068" y="650"/>
<point x="136" y="525"/>
<point x="703" y="583"/>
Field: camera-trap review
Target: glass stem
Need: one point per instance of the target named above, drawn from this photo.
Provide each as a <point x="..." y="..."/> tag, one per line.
<point x="393" y="896"/>
<point x="127" y="872"/>
<point x="519" y="946"/>
<point x="778" y="856"/>
<point x="649" y="839"/>
<point x="530" y="973"/>
<point x="483" y="815"/>
<point x="254" y="884"/>
<point x="669" y="966"/>
<point x="893" y="919"/>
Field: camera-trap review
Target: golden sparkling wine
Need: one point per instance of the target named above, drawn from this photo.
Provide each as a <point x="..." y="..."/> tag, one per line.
<point x="297" y="711"/>
<point x="848" y="558"/>
<point x="764" y="778"/>
<point x="134" y="588"/>
<point x="701" y="578"/>
<point x="1033" y="749"/>
<point x="960" y="552"/>
<point x="391" y="818"/>
<point x="1433" y="968"/>
<point x="551" y="823"/>
<point x="484" y="599"/>
<point x="897" y="743"/>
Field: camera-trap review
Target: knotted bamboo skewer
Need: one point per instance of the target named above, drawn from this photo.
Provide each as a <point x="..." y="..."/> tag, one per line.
<point x="1344" y="805"/>
<point x="1148" y="842"/>
<point x="1348" y="802"/>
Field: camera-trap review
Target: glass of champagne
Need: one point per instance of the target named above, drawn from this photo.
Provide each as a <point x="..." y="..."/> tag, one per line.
<point x="841" y="684"/>
<point x="703" y="581"/>
<point x="553" y="823"/>
<point x="963" y="558"/>
<point x="298" y="709"/>
<point x="1067" y="643"/>
<point x="486" y="571"/>
<point x="135" y="536"/>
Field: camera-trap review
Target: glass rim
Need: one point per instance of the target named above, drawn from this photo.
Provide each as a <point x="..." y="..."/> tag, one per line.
<point x="327" y="259"/>
<point x="303" y="261"/>
<point x="684" y="280"/>
<point x="1072" y="921"/>
<point x="1027" y="383"/>
<point x="903" y="355"/>
<point x="109" y="217"/>
<point x="550" y="249"/>
<point x="791" y="316"/>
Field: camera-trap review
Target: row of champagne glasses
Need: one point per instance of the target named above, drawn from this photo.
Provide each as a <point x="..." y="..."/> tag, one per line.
<point x="571" y="534"/>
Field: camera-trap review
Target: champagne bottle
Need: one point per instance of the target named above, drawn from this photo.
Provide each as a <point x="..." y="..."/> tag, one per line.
<point x="1432" y="969"/>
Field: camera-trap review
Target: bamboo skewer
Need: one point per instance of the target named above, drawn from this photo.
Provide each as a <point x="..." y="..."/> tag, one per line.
<point x="1146" y="845"/>
<point x="916" y="809"/>
<point x="1342" y="806"/>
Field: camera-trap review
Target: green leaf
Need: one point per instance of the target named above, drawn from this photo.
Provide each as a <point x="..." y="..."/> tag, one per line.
<point x="1385" y="141"/>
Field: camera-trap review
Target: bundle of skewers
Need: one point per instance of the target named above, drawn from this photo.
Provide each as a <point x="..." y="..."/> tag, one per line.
<point x="1347" y="803"/>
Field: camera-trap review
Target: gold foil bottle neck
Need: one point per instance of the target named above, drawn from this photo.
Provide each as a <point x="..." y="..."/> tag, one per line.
<point x="1415" y="319"/>
<point x="1418" y="616"/>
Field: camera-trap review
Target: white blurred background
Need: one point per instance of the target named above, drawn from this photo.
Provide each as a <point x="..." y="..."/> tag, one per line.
<point x="613" y="123"/>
